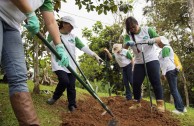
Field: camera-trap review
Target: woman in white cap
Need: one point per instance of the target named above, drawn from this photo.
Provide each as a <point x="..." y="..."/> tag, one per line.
<point x="65" y="77"/>
<point x="125" y="61"/>
<point x="169" y="72"/>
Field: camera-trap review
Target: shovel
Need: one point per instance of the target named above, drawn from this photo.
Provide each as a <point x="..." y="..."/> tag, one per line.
<point x="86" y="80"/>
<point x="112" y="122"/>
<point x="146" y="74"/>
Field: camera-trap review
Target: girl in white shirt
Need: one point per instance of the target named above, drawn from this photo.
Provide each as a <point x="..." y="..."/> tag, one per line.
<point x="125" y="61"/>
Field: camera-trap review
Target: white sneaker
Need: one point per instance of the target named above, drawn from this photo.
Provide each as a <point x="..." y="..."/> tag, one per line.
<point x="177" y="112"/>
<point x="185" y="109"/>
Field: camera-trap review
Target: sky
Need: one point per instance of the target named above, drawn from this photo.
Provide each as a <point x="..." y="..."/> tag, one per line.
<point x="88" y="19"/>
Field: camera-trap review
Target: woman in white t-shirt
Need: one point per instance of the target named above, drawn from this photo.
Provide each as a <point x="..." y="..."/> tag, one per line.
<point x="170" y="72"/>
<point x="125" y="60"/>
<point x="65" y="77"/>
<point x="135" y="35"/>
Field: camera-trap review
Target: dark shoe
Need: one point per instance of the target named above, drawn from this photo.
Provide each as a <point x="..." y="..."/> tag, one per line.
<point x="128" y="99"/>
<point x="72" y="108"/>
<point x="51" y="101"/>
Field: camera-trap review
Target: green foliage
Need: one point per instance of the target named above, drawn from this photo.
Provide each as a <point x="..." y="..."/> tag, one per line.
<point x="99" y="6"/>
<point x="101" y="37"/>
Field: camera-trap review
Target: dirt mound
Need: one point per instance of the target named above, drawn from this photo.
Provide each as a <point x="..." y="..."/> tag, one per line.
<point x="89" y="113"/>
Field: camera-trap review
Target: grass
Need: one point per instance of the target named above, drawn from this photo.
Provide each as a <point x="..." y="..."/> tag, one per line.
<point x="49" y="115"/>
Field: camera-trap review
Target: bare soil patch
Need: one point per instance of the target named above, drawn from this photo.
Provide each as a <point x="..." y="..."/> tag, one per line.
<point x="89" y="113"/>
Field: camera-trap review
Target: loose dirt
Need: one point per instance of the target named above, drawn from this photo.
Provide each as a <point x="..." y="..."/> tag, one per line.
<point x="89" y="113"/>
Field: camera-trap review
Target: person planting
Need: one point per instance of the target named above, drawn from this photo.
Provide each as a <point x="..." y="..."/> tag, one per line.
<point x="125" y="60"/>
<point x="170" y="72"/>
<point x="65" y="77"/>
<point x="145" y="60"/>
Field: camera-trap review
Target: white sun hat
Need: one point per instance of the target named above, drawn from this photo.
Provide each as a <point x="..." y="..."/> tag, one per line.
<point x="69" y="20"/>
<point x="164" y="40"/>
<point x="116" y="48"/>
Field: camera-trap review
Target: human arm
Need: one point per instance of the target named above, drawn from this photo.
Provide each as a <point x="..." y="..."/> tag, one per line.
<point x="51" y="25"/>
<point x="108" y="53"/>
<point x="22" y="5"/>
<point x="87" y="50"/>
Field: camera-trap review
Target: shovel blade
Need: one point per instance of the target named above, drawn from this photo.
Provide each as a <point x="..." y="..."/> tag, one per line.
<point x="113" y="122"/>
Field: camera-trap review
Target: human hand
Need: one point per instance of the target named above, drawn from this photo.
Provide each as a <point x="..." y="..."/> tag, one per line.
<point x="98" y="58"/>
<point x="64" y="57"/>
<point x="106" y="50"/>
<point x="130" y="43"/>
<point x="32" y="23"/>
<point x="151" y="41"/>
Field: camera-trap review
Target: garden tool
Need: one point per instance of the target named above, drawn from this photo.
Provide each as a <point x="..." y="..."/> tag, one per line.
<point x="86" y="80"/>
<point x="113" y="121"/>
<point x="146" y="74"/>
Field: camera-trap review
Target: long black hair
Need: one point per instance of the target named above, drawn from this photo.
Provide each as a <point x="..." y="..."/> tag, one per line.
<point x="130" y="21"/>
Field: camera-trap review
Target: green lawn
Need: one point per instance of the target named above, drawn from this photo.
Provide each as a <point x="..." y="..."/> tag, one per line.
<point x="49" y="115"/>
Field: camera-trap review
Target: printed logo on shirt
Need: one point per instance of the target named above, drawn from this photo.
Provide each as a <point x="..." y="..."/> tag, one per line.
<point x="145" y="37"/>
<point x="71" y="40"/>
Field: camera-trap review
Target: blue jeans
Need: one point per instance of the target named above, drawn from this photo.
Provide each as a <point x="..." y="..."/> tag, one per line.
<point x="153" y="69"/>
<point x="66" y="81"/>
<point x="171" y="77"/>
<point x="128" y="78"/>
<point x="13" y="58"/>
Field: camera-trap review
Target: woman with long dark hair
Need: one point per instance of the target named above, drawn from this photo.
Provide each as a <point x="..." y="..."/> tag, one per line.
<point x="145" y="61"/>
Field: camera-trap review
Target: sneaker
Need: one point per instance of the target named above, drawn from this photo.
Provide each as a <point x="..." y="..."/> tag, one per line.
<point x="135" y="106"/>
<point x="177" y="112"/>
<point x="51" y="101"/>
<point x="185" y="109"/>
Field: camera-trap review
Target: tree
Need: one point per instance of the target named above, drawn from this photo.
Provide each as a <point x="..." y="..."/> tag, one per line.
<point x="99" y="38"/>
<point x="100" y="6"/>
<point x="191" y="17"/>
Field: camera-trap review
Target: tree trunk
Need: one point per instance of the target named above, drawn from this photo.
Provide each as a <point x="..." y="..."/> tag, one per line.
<point x="185" y="89"/>
<point x="36" y="89"/>
<point x="191" y="16"/>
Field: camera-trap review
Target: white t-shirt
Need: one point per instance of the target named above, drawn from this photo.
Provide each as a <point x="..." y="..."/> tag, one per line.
<point x="150" y="53"/>
<point x="71" y="42"/>
<point x="166" y="59"/>
<point x="122" y="58"/>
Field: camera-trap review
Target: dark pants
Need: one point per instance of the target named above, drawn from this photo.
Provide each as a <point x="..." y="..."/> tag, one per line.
<point x="66" y="80"/>
<point x="128" y="78"/>
<point x="171" y="77"/>
<point x="153" y="69"/>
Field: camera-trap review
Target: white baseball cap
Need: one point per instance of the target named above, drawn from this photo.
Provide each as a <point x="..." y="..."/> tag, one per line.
<point x="116" y="48"/>
<point x="164" y="40"/>
<point x="69" y="20"/>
